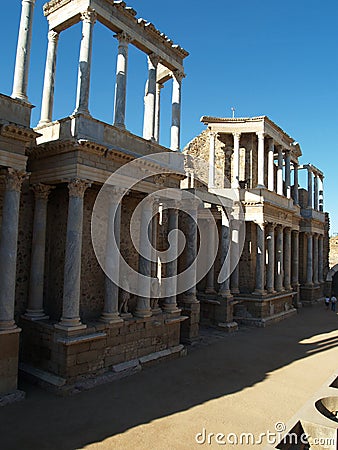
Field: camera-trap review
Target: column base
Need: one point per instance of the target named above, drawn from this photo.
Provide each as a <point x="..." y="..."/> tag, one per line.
<point x="110" y="318"/>
<point x="120" y="125"/>
<point x="30" y="314"/>
<point x="171" y="309"/>
<point x="156" y="311"/>
<point x="225" y="294"/>
<point x="259" y="292"/>
<point x="189" y="299"/>
<point x="271" y="291"/>
<point x="70" y="325"/>
<point x="8" y="327"/>
<point x="210" y="290"/>
<point x="143" y="314"/>
<point x="43" y="122"/>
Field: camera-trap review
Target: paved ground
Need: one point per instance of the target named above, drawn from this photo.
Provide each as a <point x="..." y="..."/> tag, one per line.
<point x="244" y="382"/>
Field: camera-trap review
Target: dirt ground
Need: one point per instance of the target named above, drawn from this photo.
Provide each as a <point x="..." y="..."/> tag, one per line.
<point x="245" y="382"/>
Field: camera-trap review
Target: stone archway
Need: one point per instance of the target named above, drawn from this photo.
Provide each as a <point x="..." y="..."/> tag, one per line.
<point x="332" y="280"/>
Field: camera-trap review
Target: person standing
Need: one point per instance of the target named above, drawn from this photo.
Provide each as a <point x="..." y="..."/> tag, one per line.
<point x="327" y="302"/>
<point x="333" y="303"/>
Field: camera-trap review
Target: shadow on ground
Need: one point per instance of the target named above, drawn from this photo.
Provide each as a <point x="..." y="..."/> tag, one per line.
<point x="217" y="366"/>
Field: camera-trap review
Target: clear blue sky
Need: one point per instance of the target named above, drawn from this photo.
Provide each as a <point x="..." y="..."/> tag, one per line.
<point x="278" y="59"/>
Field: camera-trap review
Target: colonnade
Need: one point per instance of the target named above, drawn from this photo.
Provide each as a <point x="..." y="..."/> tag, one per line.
<point x="152" y="99"/>
<point x="315" y="180"/>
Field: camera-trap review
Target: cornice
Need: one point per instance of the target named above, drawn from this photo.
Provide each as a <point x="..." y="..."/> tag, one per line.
<point x="18" y="132"/>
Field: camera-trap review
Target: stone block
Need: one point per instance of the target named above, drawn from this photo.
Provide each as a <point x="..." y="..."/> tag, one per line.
<point x="89" y="356"/>
<point x="9" y="351"/>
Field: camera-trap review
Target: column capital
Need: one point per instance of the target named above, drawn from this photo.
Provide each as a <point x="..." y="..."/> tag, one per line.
<point x="178" y="75"/>
<point x="123" y="38"/>
<point x="260" y="134"/>
<point x="89" y="15"/>
<point x="41" y="191"/>
<point x="287" y="230"/>
<point x="78" y="187"/>
<point x="53" y="36"/>
<point x="270" y="227"/>
<point x="154" y="59"/>
<point x="237" y="135"/>
<point x="14" y="179"/>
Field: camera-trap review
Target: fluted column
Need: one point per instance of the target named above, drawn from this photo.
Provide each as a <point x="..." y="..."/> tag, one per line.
<point x="295" y="258"/>
<point x="88" y="19"/>
<point x="315" y="260"/>
<point x="261" y="161"/>
<point x="271" y="166"/>
<point x="235" y="162"/>
<point x="316" y="192"/>
<point x="150" y="98"/>
<point x="321" y="259"/>
<point x="70" y="319"/>
<point x="260" y="259"/>
<point x="210" y="287"/>
<point x="170" y="302"/>
<point x="49" y="81"/>
<point x="121" y="80"/>
<point x="143" y="308"/>
<point x="212" y="159"/>
<point x="191" y="252"/>
<point x="175" y="141"/>
<point x="8" y="247"/>
<point x="309" y="260"/>
<point x="295" y="184"/>
<point x="110" y="313"/>
<point x="279" y="259"/>
<point x="287" y="157"/>
<point x="287" y="259"/>
<point x="35" y="310"/>
<point x="280" y="172"/>
<point x="159" y="87"/>
<point x="270" y="272"/>
<point x="309" y="188"/>
<point x="224" y="289"/>
<point x="23" y="51"/>
<point x="155" y="284"/>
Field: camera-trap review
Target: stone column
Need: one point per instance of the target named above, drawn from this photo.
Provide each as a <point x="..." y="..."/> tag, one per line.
<point x="155" y="285"/>
<point x="8" y="247"/>
<point x="316" y="192"/>
<point x="261" y="160"/>
<point x="235" y="257"/>
<point x="321" y="194"/>
<point x="224" y="289"/>
<point x="260" y="259"/>
<point x="176" y="111"/>
<point x="287" y="157"/>
<point x="309" y="188"/>
<point x="170" y="302"/>
<point x="295" y="259"/>
<point x="23" y="51"/>
<point x="143" y="308"/>
<point x="49" y="81"/>
<point x="309" y="260"/>
<point x="321" y="259"/>
<point x="159" y="87"/>
<point x="271" y="166"/>
<point x="35" y="309"/>
<point x="287" y="259"/>
<point x="315" y="260"/>
<point x="279" y="259"/>
<point x="210" y="287"/>
<point x="150" y="98"/>
<point x="280" y="172"/>
<point x="191" y="252"/>
<point x="70" y="319"/>
<point x="121" y="80"/>
<point x="235" y="162"/>
<point x="270" y="273"/>
<point x="88" y="19"/>
<point x="212" y="159"/>
<point x="295" y="184"/>
<point x="110" y="312"/>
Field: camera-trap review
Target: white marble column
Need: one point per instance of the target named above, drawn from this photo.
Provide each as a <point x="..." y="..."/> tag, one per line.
<point x="35" y="310"/>
<point x="280" y="172"/>
<point x="271" y="166"/>
<point x="159" y="87"/>
<point x="321" y="259"/>
<point x="23" y="51"/>
<point x="287" y="158"/>
<point x="8" y="247"/>
<point x="175" y="141"/>
<point x="287" y="259"/>
<point x="224" y="289"/>
<point x="88" y="19"/>
<point x="260" y="259"/>
<point x="315" y="260"/>
<point x="191" y="250"/>
<point x="261" y="161"/>
<point x="170" y="302"/>
<point x="309" y="260"/>
<point x="212" y="142"/>
<point x="210" y="286"/>
<point x="110" y="312"/>
<point x="49" y="81"/>
<point x="295" y="184"/>
<point x="143" y="308"/>
<point x="270" y="272"/>
<point x="70" y="319"/>
<point x="295" y="259"/>
<point x="279" y="259"/>
<point x="235" y="162"/>
<point x="121" y="80"/>
<point x="155" y="285"/>
<point x="150" y="98"/>
<point x="316" y="192"/>
<point x="309" y="188"/>
<point x="321" y="194"/>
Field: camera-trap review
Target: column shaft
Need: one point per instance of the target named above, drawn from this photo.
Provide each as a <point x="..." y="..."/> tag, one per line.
<point x="82" y="97"/>
<point x="280" y="172"/>
<point x="295" y="259"/>
<point x="224" y="289"/>
<point x="316" y="192"/>
<point x="260" y="259"/>
<point x="49" y="81"/>
<point x="235" y="162"/>
<point x="321" y="259"/>
<point x="287" y="259"/>
<point x="288" y="174"/>
<point x="321" y="194"/>
<point x="309" y="260"/>
<point x="295" y="184"/>
<point x="210" y="286"/>
<point x="121" y="80"/>
<point x="270" y="273"/>
<point x="191" y="252"/>
<point x="309" y="188"/>
<point x="150" y="98"/>
<point x="175" y="141"/>
<point x="23" y="51"/>
<point x="271" y="166"/>
<point x="212" y="160"/>
<point x="170" y="302"/>
<point x="315" y="259"/>
<point x="8" y="247"/>
<point x="261" y="161"/>
<point x="159" y="87"/>
<point x="235" y="258"/>
<point x="279" y="259"/>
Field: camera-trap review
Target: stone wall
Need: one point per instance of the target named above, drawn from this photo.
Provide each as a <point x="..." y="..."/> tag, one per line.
<point x="333" y="251"/>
